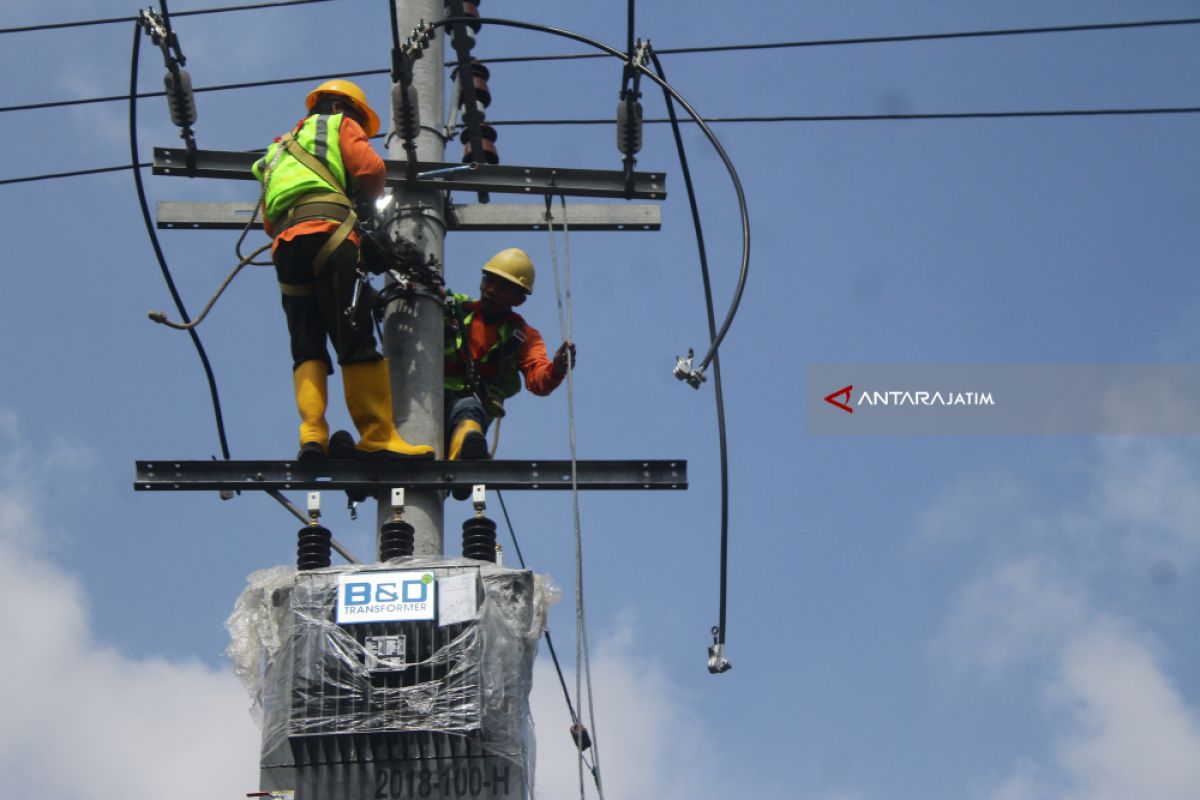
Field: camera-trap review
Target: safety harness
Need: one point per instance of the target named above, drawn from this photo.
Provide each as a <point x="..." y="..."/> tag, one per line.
<point x="503" y="355"/>
<point x="335" y="205"/>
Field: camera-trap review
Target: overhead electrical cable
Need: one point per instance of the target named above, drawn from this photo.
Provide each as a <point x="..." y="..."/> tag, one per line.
<point x="717" y="661"/>
<point x="668" y="51"/>
<point x="1096" y="112"/>
<point x="196" y="12"/>
<point x="1077" y="112"/>
<point x="916" y="37"/>
<point x="158" y="253"/>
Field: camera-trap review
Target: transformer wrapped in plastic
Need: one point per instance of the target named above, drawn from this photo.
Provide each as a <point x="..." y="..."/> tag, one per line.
<point x="320" y="687"/>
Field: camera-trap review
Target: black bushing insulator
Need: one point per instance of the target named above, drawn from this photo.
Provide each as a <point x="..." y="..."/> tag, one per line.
<point x="487" y="135"/>
<point x="180" y="99"/>
<point x="479" y="539"/>
<point x="629" y="126"/>
<point x="395" y="540"/>
<point x="470" y="9"/>
<point x="406" y="117"/>
<point x="313" y="549"/>
<point x="479" y="75"/>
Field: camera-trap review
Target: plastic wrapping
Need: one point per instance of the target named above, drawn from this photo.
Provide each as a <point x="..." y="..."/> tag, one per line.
<point x="310" y="677"/>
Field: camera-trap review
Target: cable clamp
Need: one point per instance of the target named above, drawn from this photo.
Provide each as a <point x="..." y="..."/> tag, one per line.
<point x="717" y="663"/>
<point x="684" y="370"/>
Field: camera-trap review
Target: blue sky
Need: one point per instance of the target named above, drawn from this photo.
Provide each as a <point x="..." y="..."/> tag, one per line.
<point x="915" y="617"/>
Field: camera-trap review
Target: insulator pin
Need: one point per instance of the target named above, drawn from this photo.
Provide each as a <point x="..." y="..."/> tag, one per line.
<point x="479" y="539"/>
<point x="314" y="547"/>
<point x="629" y="126"/>
<point x="396" y="540"/>
<point x="181" y="100"/>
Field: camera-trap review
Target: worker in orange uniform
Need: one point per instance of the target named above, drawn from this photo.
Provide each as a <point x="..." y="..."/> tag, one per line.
<point x="313" y="178"/>
<point x="489" y="348"/>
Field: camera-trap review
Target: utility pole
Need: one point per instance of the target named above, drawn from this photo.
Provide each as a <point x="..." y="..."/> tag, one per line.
<point x="409" y="677"/>
<point x="412" y="329"/>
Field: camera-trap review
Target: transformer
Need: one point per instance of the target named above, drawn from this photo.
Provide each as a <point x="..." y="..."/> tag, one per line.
<point x="397" y="680"/>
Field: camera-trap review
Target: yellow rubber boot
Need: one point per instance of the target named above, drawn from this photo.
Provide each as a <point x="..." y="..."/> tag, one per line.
<point x="369" y="401"/>
<point x="468" y="443"/>
<point x="312" y="396"/>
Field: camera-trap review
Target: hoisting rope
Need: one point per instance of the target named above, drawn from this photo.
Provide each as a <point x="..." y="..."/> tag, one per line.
<point x="582" y="656"/>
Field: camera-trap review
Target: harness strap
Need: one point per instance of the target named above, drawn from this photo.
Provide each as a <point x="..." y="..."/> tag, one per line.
<point x="336" y="199"/>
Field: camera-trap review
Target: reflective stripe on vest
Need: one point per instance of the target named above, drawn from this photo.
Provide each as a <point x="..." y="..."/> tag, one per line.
<point x="290" y="180"/>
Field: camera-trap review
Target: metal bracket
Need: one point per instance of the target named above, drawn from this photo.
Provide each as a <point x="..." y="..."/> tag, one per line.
<point x="372" y="477"/>
<point x="234" y="165"/>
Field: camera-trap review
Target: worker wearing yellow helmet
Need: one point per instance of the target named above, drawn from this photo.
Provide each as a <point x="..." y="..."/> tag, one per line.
<point x="489" y="349"/>
<point x="313" y="178"/>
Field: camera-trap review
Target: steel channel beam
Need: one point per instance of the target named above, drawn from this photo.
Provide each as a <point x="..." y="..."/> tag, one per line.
<point x="173" y="215"/>
<point x="498" y="178"/>
<point x="167" y="475"/>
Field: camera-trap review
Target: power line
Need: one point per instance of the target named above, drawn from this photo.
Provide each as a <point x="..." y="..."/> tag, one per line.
<point x="1083" y="112"/>
<point x="114" y="20"/>
<point x="216" y="88"/>
<point x="918" y="37"/>
<point x="72" y="174"/>
<point x="671" y="51"/>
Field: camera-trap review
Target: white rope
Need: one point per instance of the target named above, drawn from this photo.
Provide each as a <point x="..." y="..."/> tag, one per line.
<point x="565" y="324"/>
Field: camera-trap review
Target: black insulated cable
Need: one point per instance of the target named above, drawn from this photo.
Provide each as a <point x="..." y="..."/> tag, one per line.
<point x="196" y="12"/>
<point x="158" y="253"/>
<point x="684" y="369"/>
<point x="917" y="37"/>
<point x="717" y="661"/>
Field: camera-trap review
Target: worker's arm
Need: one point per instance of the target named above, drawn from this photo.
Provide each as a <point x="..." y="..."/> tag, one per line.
<point x="542" y="376"/>
<point x="365" y="170"/>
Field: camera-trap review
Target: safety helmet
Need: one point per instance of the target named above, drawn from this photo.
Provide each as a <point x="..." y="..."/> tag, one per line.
<point x="513" y="265"/>
<point x="351" y="92"/>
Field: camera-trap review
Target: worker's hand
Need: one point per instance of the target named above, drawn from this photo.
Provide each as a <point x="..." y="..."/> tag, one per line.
<point x="565" y="351"/>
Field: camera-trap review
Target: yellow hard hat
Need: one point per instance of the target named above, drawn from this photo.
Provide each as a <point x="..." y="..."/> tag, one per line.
<point x="513" y="265"/>
<point x="351" y="92"/>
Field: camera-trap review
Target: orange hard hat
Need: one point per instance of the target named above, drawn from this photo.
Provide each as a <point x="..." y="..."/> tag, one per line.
<point x="351" y="92"/>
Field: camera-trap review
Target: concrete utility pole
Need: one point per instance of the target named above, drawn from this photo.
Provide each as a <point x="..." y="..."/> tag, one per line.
<point x="412" y="330"/>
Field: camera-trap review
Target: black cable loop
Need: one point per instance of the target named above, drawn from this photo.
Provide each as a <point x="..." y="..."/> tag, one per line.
<point x="744" y="270"/>
<point x="158" y="253"/>
<point x="718" y="391"/>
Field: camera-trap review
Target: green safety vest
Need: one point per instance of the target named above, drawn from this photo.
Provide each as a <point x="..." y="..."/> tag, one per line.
<point x="499" y="369"/>
<point x="289" y="180"/>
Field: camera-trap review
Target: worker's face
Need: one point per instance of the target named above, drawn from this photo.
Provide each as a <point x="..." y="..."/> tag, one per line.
<point x="498" y="296"/>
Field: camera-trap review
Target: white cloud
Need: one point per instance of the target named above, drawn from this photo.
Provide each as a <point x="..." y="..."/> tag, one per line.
<point x="81" y="720"/>
<point x="1123" y="729"/>
<point x="1134" y="734"/>
<point x="1018" y="611"/>
<point x="1146" y="491"/>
